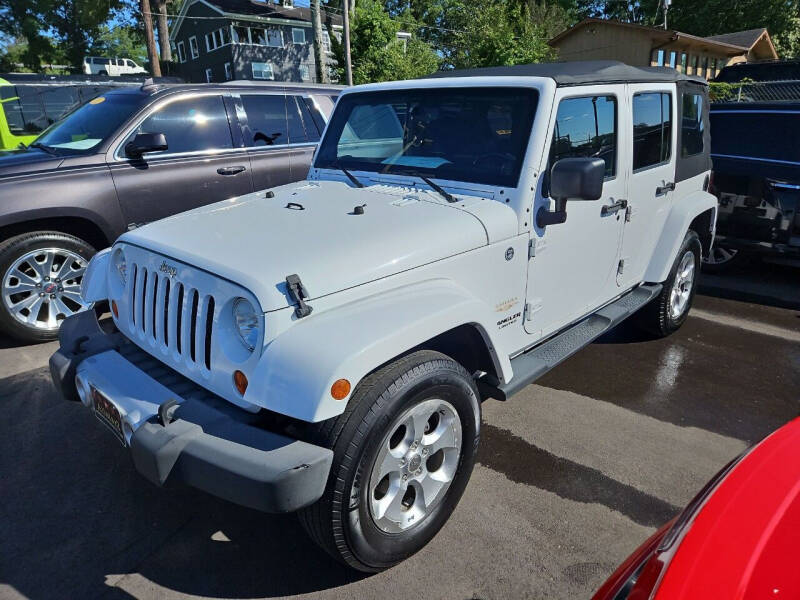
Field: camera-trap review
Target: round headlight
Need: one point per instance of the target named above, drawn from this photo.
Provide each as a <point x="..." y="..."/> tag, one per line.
<point x="121" y="265"/>
<point x="246" y="319"/>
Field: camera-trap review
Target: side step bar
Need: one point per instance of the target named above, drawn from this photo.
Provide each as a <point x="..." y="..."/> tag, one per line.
<point x="537" y="361"/>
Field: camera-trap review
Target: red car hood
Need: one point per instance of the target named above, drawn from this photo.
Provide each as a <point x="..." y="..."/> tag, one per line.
<point x="744" y="543"/>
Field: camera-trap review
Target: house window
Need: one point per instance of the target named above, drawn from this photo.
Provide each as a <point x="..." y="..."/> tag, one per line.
<point x="658" y="58"/>
<point x="673" y="57"/>
<point x="262" y="70"/>
<point x="209" y="75"/>
<point x="241" y="34"/>
<point x="326" y="41"/>
<point x="193" y="48"/>
<point x="182" y="52"/>
<point x="684" y="61"/>
<point x="305" y="73"/>
<point x="298" y="35"/>
<point x="218" y="38"/>
<point x="652" y="129"/>
<point x="228" y="71"/>
<point x="704" y="72"/>
<point x="275" y="38"/>
<point x="288" y="3"/>
<point x="586" y="126"/>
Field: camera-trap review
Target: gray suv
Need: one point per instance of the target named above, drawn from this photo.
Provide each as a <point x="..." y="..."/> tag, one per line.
<point x="132" y="156"/>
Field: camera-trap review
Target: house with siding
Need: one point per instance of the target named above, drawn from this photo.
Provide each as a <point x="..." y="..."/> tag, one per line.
<point x="220" y="40"/>
<point x="638" y="45"/>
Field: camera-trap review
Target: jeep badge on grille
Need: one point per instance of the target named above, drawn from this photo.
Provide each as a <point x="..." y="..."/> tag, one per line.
<point x="168" y="269"/>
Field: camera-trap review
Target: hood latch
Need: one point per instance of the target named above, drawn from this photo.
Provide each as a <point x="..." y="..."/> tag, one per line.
<point x="299" y="294"/>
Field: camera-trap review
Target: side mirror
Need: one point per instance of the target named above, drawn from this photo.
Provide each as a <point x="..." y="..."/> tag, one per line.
<point x="146" y="142"/>
<point x="575" y="179"/>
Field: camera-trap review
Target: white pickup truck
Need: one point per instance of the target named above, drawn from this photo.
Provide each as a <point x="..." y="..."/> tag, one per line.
<point x="324" y="347"/>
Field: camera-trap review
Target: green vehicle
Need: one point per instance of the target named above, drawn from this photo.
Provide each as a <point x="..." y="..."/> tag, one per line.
<point x="31" y="103"/>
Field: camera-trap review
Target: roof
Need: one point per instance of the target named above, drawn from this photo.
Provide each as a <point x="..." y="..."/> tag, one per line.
<point x="578" y="73"/>
<point x="745" y="39"/>
<point x="665" y="35"/>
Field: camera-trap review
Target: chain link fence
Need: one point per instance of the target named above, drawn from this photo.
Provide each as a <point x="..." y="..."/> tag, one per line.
<point x="756" y="91"/>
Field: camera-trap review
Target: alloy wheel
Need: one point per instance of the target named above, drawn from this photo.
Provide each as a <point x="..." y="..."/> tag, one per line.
<point x="416" y="463"/>
<point x="42" y="287"/>
<point x="682" y="286"/>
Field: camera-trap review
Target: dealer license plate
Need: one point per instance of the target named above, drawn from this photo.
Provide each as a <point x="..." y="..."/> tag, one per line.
<point x="107" y="413"/>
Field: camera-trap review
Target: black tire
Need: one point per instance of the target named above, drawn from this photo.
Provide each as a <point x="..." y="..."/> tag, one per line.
<point x="721" y="259"/>
<point x="102" y="73"/>
<point x="341" y="521"/>
<point x="13" y="249"/>
<point x="657" y="317"/>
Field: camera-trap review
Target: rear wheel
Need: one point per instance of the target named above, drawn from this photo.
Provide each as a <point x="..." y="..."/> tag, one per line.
<point x="667" y="312"/>
<point x="720" y="259"/>
<point x="403" y="454"/>
<point x="40" y="286"/>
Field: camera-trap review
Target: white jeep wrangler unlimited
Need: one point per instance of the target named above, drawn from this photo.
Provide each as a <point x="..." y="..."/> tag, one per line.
<point x="324" y="347"/>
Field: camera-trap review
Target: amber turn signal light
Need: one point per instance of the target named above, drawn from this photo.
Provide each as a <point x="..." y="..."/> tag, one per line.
<point x="340" y="389"/>
<point x="114" y="309"/>
<point x="240" y="381"/>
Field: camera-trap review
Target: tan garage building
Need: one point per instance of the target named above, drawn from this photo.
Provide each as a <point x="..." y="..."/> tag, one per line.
<point x="600" y="39"/>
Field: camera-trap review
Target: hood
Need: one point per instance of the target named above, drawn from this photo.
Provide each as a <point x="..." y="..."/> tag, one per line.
<point x="257" y="241"/>
<point x="19" y="162"/>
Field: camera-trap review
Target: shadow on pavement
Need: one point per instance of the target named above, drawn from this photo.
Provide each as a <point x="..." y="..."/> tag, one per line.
<point x="77" y="517"/>
<point x="757" y="282"/>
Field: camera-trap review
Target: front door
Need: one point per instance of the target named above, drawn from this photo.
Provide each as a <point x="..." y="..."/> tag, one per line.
<point x="651" y="175"/>
<point x="574" y="264"/>
<point x="266" y="137"/>
<point x="200" y="165"/>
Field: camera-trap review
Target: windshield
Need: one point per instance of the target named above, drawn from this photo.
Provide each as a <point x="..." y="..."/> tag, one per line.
<point x="85" y="128"/>
<point x="476" y="135"/>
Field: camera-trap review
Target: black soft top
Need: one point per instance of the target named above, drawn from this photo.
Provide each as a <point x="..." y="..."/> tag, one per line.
<point x="579" y="73"/>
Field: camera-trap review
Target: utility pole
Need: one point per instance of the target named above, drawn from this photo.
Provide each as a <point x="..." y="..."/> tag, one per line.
<point x="666" y="9"/>
<point x="319" y="55"/>
<point x="348" y="65"/>
<point x="152" y="53"/>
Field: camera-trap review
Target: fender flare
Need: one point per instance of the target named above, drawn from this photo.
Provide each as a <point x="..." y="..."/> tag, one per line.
<point x="681" y="215"/>
<point x="297" y="369"/>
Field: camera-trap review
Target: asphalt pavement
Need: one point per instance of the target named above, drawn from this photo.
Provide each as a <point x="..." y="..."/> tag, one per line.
<point x="573" y="474"/>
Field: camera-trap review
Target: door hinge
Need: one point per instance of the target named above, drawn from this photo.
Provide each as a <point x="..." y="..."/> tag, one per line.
<point x="531" y="308"/>
<point x="536" y="246"/>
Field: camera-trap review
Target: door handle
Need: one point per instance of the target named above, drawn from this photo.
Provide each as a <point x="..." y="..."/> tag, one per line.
<point x="230" y="170"/>
<point x="611" y="209"/>
<point x="667" y="187"/>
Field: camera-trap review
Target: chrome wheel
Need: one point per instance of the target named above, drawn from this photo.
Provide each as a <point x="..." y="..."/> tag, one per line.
<point x="720" y="255"/>
<point x="416" y="463"/>
<point x="42" y="287"/>
<point x="682" y="286"/>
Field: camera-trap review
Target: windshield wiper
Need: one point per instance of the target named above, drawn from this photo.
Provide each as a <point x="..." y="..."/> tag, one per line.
<point x="45" y="147"/>
<point x="351" y="177"/>
<point x="434" y="186"/>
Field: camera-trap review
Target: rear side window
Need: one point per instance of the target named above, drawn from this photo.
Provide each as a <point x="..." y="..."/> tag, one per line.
<point x="692" y="125"/>
<point x="190" y="125"/>
<point x="316" y="115"/>
<point x="266" y="120"/>
<point x="586" y="127"/>
<point x="652" y="129"/>
<point x="297" y="131"/>
<point x="312" y="130"/>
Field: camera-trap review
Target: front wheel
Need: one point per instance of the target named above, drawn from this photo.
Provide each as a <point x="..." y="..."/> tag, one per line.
<point x="667" y="311"/>
<point x="403" y="454"/>
<point x="720" y="259"/>
<point x="40" y="286"/>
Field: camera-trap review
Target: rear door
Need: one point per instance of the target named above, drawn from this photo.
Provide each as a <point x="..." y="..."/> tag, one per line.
<point x="304" y="134"/>
<point x="265" y="136"/>
<point x="651" y="138"/>
<point x="200" y="166"/>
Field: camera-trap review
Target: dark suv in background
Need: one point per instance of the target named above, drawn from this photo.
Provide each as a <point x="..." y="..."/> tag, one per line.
<point x="131" y="156"/>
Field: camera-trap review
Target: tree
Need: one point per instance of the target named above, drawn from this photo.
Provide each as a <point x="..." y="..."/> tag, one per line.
<point x="377" y="53"/>
<point x="149" y="38"/>
<point x="319" y="54"/>
<point x="500" y="33"/>
<point x="23" y="20"/>
<point x="122" y="40"/>
<point x="76" y="23"/>
<point x="163" y="29"/>
<point x="714" y="17"/>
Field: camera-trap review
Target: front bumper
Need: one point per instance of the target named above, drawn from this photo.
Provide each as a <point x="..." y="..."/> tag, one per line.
<point x="204" y="442"/>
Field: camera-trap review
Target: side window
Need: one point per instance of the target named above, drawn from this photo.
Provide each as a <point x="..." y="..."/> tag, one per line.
<point x="297" y="133"/>
<point x="319" y="120"/>
<point x="312" y="130"/>
<point x="586" y="127"/>
<point x="652" y="129"/>
<point x="266" y="120"/>
<point x="190" y="125"/>
<point x="692" y="125"/>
